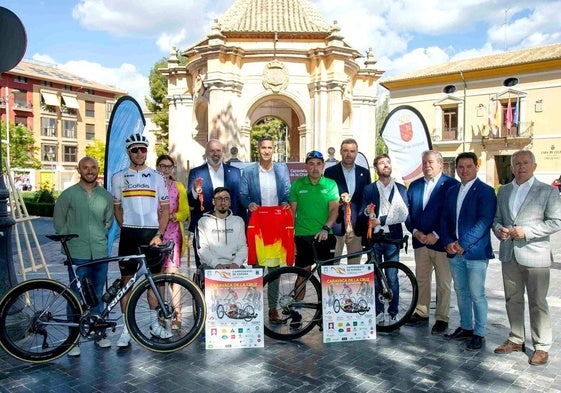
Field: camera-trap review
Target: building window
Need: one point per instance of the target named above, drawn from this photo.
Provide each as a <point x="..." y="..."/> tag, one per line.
<point x="90" y="109"/>
<point x="20" y="79"/>
<point x="67" y="87"/>
<point x="70" y="153"/>
<point x="90" y="132"/>
<point x="108" y="109"/>
<point x="48" y="152"/>
<point x="46" y="84"/>
<point x="89" y="91"/>
<point x="48" y="126"/>
<point x="69" y="129"/>
<point x="509" y="82"/>
<point x="509" y="123"/>
<point x="450" y="124"/>
<point x="449" y="166"/>
<point x="21" y="120"/>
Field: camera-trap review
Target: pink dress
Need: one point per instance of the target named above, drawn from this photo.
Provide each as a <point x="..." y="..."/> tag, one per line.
<point x="173" y="231"/>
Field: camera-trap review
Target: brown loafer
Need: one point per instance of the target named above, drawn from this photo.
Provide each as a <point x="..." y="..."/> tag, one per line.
<point x="539" y="357"/>
<point x="509" y="347"/>
<point x="274" y="316"/>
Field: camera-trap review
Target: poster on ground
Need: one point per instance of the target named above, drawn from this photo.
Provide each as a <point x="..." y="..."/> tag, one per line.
<point x="349" y="311"/>
<point x="234" y="300"/>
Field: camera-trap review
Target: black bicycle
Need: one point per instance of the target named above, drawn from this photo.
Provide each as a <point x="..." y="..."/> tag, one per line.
<point x="299" y="300"/>
<point x="42" y="319"/>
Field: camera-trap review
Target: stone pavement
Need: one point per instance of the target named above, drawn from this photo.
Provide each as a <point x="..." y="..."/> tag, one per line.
<point x="410" y="360"/>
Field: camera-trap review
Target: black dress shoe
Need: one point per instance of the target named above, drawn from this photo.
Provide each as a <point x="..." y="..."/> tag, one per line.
<point x="439" y="327"/>
<point x="459" y="334"/>
<point x="476" y="343"/>
<point x="417" y="319"/>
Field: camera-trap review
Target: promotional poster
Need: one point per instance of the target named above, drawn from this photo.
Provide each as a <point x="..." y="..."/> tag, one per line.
<point x="349" y="311"/>
<point x="234" y="300"/>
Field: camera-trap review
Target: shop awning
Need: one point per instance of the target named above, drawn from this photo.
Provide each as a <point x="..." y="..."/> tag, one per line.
<point x="70" y="102"/>
<point x="50" y="98"/>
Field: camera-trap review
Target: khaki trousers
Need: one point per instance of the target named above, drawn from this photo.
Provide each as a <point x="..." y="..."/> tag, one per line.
<point x="535" y="280"/>
<point x="353" y="243"/>
<point x="426" y="261"/>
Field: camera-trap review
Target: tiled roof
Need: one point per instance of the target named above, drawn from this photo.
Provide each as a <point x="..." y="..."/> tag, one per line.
<point x="269" y="16"/>
<point x="51" y="73"/>
<point x="503" y="59"/>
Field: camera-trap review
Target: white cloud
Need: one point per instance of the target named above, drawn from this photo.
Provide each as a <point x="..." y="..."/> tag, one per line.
<point x="414" y="60"/>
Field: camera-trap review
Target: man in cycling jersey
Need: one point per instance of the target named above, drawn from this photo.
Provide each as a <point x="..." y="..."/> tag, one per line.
<point x="141" y="204"/>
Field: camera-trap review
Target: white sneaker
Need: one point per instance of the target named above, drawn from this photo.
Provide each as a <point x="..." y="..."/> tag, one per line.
<point x="158" y="330"/>
<point x="380" y="318"/>
<point x="74" y="352"/>
<point x="124" y="340"/>
<point x="103" y="343"/>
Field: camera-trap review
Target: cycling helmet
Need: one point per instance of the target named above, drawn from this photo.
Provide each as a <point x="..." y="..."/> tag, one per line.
<point x="136" y="139"/>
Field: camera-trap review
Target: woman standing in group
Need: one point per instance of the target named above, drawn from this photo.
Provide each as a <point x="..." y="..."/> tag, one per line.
<point x="179" y="213"/>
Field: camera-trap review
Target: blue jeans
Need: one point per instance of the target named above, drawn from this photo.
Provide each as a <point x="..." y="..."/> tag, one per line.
<point x="389" y="252"/>
<point x="98" y="275"/>
<point x="469" y="285"/>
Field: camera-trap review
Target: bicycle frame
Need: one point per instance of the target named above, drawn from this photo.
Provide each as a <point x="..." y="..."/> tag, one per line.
<point x="141" y="272"/>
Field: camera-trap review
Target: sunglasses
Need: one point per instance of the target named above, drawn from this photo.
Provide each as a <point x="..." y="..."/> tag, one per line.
<point x="314" y="154"/>
<point x="138" y="149"/>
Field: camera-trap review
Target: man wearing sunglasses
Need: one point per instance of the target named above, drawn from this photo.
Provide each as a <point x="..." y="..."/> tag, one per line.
<point x="141" y="202"/>
<point x="314" y="200"/>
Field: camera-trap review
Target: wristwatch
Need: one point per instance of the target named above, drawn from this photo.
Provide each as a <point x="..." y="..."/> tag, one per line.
<point x="326" y="228"/>
<point x="159" y="235"/>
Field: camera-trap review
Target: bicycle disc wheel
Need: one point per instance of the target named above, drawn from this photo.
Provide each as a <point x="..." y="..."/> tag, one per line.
<point x="299" y="308"/>
<point x="34" y="317"/>
<point x="394" y="307"/>
<point x="180" y="295"/>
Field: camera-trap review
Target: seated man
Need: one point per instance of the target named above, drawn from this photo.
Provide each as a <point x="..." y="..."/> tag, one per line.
<point x="220" y="235"/>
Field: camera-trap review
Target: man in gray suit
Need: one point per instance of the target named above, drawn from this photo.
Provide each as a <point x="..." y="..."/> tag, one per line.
<point x="528" y="212"/>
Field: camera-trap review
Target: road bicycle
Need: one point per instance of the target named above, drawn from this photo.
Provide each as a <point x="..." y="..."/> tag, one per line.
<point x="299" y="301"/>
<point x="42" y="319"/>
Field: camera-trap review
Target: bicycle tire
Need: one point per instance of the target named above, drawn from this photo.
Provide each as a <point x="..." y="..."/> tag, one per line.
<point x="30" y="304"/>
<point x="249" y="313"/>
<point x="220" y="311"/>
<point x="336" y="306"/>
<point x="286" y="304"/>
<point x="407" y="298"/>
<point x="193" y="312"/>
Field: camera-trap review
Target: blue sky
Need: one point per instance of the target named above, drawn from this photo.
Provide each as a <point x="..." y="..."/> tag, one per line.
<point x="116" y="42"/>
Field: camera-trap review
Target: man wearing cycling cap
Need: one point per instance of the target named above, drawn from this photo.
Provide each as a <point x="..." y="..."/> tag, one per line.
<point x="141" y="202"/>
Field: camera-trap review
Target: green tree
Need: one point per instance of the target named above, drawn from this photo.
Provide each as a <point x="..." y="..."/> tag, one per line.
<point x="23" y="152"/>
<point x="381" y="114"/>
<point x="96" y="149"/>
<point x="273" y="127"/>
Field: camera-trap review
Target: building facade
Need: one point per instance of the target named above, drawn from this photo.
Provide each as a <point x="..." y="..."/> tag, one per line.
<point x="270" y="58"/>
<point x="491" y="105"/>
<point x="65" y="112"/>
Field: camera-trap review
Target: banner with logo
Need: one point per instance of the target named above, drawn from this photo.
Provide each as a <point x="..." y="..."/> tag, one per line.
<point x="349" y="311"/>
<point x="234" y="299"/>
<point x="406" y="135"/>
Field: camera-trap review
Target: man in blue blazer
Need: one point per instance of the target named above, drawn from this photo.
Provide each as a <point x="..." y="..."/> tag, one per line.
<point x="426" y="200"/>
<point x="528" y="212"/>
<point x="467" y="216"/>
<point x="214" y="173"/>
<point x="351" y="180"/>
<point x="275" y="187"/>
<point x="390" y="212"/>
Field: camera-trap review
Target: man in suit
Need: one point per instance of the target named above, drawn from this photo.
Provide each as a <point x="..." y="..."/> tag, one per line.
<point x="390" y="212"/>
<point x="266" y="183"/>
<point x="467" y="216"/>
<point x="351" y="180"/>
<point x="426" y="200"/>
<point x="202" y="182"/>
<point x="528" y="212"/>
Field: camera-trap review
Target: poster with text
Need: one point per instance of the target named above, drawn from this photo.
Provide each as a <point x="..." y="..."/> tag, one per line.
<point x="349" y="312"/>
<point x="234" y="300"/>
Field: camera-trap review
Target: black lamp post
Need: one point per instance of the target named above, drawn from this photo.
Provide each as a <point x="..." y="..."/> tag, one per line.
<point x="13" y="42"/>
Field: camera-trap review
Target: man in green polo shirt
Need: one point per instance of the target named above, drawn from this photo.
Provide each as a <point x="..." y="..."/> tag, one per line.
<point x="314" y="200"/>
<point x="86" y="209"/>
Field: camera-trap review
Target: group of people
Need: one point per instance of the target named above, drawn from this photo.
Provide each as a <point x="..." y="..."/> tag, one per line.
<point x="450" y="221"/>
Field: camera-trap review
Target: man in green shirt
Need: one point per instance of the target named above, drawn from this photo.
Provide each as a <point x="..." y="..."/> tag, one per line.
<point x="314" y="200"/>
<point x="86" y="209"/>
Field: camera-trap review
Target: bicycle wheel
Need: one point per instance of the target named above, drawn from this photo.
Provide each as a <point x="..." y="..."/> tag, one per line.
<point x="220" y="311"/>
<point x="362" y="307"/>
<point x="249" y="313"/>
<point x="394" y="307"/>
<point x="298" y="307"/>
<point x="336" y="306"/>
<point x="34" y="318"/>
<point x="180" y="295"/>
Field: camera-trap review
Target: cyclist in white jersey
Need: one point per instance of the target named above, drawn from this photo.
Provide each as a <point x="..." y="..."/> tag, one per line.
<point x="141" y="205"/>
